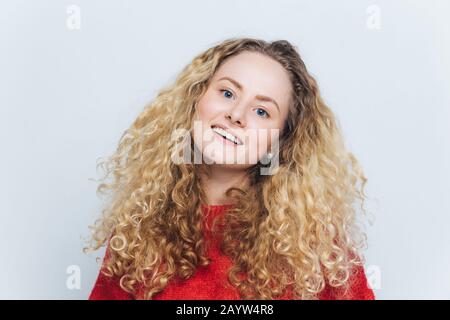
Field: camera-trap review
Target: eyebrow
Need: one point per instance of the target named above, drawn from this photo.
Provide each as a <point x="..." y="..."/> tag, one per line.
<point x="259" y="97"/>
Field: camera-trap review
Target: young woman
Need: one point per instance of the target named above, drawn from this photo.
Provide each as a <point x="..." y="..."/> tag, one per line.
<point x="260" y="216"/>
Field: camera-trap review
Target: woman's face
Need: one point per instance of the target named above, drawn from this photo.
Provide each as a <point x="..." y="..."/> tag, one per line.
<point x="247" y="97"/>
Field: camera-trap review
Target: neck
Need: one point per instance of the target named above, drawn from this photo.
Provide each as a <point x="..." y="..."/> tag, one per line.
<point x="218" y="180"/>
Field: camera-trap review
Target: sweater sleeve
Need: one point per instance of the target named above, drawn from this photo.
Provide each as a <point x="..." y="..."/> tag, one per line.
<point x="358" y="289"/>
<point x="108" y="288"/>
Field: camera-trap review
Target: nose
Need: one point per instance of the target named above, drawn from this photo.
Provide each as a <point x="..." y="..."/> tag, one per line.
<point x="237" y="115"/>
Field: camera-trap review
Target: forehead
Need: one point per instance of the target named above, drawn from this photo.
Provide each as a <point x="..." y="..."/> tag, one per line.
<point x="258" y="74"/>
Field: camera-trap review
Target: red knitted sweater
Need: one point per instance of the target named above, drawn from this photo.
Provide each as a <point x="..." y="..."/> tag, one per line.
<point x="211" y="283"/>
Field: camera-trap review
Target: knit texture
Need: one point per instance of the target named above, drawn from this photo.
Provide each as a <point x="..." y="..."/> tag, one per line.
<point x="211" y="282"/>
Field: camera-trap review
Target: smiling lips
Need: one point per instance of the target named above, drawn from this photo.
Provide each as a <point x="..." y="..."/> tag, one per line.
<point x="226" y="135"/>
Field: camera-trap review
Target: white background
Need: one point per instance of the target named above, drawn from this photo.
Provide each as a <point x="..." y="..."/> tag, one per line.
<point x="67" y="95"/>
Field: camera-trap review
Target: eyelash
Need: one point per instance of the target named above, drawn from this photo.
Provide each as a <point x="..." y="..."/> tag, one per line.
<point x="268" y="115"/>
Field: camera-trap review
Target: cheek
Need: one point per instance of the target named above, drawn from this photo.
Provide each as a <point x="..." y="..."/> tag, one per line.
<point x="208" y="107"/>
<point x="203" y="116"/>
<point x="256" y="143"/>
<point x="259" y="132"/>
<point x="263" y="140"/>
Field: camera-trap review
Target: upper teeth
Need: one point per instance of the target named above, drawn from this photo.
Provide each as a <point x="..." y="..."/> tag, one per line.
<point x="227" y="135"/>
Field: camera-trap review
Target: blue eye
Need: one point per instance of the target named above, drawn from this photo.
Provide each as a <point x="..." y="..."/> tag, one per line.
<point x="226" y="91"/>
<point x="264" y="114"/>
<point x="267" y="115"/>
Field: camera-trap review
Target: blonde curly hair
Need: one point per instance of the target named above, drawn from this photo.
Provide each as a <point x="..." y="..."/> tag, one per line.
<point x="302" y="232"/>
